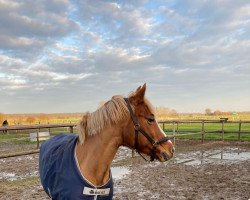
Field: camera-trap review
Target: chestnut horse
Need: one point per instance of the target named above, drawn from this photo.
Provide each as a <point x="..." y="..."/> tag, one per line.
<point x="119" y="122"/>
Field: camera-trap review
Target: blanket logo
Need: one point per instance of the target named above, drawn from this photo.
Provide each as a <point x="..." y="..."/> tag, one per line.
<point x="95" y="191"/>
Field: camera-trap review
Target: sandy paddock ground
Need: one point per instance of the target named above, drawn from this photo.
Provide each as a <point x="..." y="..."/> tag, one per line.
<point x="214" y="170"/>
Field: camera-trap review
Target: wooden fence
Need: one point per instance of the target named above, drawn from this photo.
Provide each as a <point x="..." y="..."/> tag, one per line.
<point x="176" y="131"/>
<point x="37" y="128"/>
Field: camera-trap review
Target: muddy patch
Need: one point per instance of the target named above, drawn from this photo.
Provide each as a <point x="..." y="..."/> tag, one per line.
<point x="214" y="170"/>
<point x="119" y="172"/>
<point x="217" y="156"/>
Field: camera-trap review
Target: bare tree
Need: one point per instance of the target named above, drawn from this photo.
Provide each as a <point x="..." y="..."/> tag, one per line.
<point x="163" y="112"/>
<point x="208" y="111"/>
<point x="218" y="112"/>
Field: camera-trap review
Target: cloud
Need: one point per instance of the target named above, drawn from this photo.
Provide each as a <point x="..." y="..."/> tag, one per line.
<point x="27" y="27"/>
<point x="119" y="24"/>
<point x="54" y="50"/>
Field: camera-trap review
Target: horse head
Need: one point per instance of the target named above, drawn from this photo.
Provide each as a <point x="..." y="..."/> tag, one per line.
<point x="143" y="133"/>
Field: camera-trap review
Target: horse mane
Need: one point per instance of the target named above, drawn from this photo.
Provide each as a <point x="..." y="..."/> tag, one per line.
<point x="111" y="112"/>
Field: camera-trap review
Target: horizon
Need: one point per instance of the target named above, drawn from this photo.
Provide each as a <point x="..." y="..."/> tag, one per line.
<point x="71" y="113"/>
<point x="66" y="56"/>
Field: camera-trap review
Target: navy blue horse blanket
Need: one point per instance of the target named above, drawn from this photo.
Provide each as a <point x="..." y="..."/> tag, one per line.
<point x="60" y="175"/>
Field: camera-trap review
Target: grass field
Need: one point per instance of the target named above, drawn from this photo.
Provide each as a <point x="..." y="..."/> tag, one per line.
<point x="229" y="129"/>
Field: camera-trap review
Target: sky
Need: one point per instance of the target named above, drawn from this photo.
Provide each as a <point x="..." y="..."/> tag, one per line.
<point x="67" y="56"/>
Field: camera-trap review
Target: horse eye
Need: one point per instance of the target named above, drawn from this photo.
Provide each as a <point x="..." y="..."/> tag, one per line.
<point x="150" y="120"/>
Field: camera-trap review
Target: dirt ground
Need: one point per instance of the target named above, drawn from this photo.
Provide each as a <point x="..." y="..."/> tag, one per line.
<point x="214" y="170"/>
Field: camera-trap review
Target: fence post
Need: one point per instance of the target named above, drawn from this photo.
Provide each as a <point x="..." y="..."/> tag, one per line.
<point x="239" y="130"/>
<point x="202" y="131"/>
<point x="37" y="139"/>
<point x="222" y="129"/>
<point x="49" y="129"/>
<point x="71" y="129"/>
<point x="177" y="128"/>
<point x="174" y="131"/>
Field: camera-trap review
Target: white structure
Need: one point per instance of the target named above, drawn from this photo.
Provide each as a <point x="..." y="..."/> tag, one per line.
<point x="42" y="136"/>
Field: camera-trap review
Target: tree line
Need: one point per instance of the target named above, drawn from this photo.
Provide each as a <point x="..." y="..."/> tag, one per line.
<point x="209" y="111"/>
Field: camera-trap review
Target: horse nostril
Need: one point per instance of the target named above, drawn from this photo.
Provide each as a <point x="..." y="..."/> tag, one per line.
<point x="165" y="156"/>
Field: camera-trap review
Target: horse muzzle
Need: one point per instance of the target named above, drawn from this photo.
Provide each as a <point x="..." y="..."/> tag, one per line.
<point x="165" y="157"/>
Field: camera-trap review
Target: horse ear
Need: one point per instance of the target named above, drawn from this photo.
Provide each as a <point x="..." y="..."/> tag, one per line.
<point x="139" y="94"/>
<point x="138" y="89"/>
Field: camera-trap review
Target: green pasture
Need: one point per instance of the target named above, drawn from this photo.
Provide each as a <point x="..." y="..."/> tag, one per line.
<point x="229" y="128"/>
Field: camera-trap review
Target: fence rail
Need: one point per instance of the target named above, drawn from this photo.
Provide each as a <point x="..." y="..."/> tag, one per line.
<point x="38" y="126"/>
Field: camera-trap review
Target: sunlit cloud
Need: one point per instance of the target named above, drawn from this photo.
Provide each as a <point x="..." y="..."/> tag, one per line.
<point x="92" y="50"/>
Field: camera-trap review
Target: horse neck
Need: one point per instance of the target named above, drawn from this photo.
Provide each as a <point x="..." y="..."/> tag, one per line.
<point x="96" y="154"/>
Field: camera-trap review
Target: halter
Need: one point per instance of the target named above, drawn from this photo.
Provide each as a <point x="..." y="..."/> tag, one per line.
<point x="138" y="130"/>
